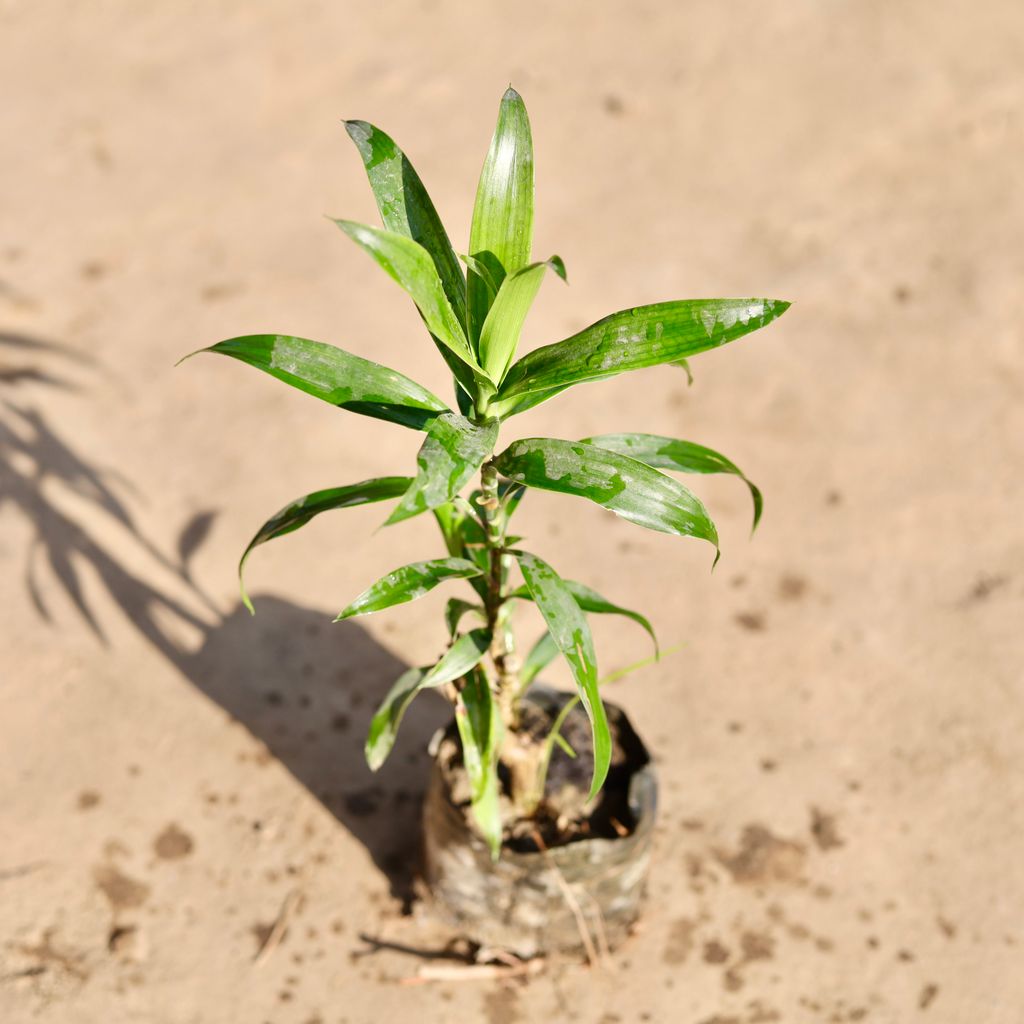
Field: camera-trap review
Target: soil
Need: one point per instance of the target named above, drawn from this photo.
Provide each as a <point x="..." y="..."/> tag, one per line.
<point x="564" y="815"/>
<point x="838" y="740"/>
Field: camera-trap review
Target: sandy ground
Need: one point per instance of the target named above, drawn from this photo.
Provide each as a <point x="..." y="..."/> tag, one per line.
<point x="840" y="740"/>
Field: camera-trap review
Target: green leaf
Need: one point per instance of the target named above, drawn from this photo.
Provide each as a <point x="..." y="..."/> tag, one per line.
<point x="406" y="208"/>
<point x="499" y="336"/>
<point x="623" y="485"/>
<point x="384" y="724"/>
<point x="479" y="728"/>
<point x="412" y="267"/>
<point x="591" y="601"/>
<point x="452" y="452"/>
<point x="684" y="456"/>
<point x="543" y="652"/>
<point x="408" y="583"/>
<point x="568" y="627"/>
<point x="336" y="376"/>
<point x="501" y="233"/>
<point x="455" y="609"/>
<point x="462" y="656"/>
<point x="634" y="338"/>
<point x="483" y="272"/>
<point x="298" y="513"/>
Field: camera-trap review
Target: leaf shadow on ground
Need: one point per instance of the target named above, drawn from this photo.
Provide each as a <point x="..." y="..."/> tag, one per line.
<point x="304" y="687"/>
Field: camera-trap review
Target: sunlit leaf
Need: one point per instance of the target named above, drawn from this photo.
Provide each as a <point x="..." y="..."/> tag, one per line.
<point x="337" y="377"/>
<point x="463" y="655"/>
<point x="499" y="336"/>
<point x="684" y="456"/>
<point x="408" y="583"/>
<point x="412" y="267"/>
<point x="627" y="487"/>
<point x="568" y="628"/>
<point x="452" y="452"/>
<point x="406" y="208"/>
<point x="634" y="338"/>
<point x="300" y="512"/>
<point x="501" y="233"/>
<point x="479" y="728"/>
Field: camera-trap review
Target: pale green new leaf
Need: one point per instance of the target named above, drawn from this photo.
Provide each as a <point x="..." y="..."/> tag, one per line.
<point x="452" y="452"/>
<point x="501" y="233"/>
<point x="336" y="376"/>
<point x="408" y="583"/>
<point x="684" y="456"/>
<point x="623" y="485"/>
<point x="412" y="267"/>
<point x="462" y="656"/>
<point x="300" y="512"/>
<point x="479" y="728"/>
<point x="568" y="627"/>
<point x="499" y="336"/>
<point x="634" y="338"/>
<point x="406" y="208"/>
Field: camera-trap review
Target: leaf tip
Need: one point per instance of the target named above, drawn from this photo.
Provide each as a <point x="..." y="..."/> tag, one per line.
<point x="190" y="355"/>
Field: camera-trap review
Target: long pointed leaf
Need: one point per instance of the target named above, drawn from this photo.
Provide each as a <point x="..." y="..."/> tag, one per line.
<point x="336" y="376"/>
<point x="406" y="208"/>
<point x="452" y="452"/>
<point x="499" y="336"/>
<point x="412" y="267"/>
<point x="623" y="485"/>
<point x="634" y="338"/>
<point x="460" y="658"/>
<point x="543" y="652"/>
<point x="300" y="512"/>
<point x="501" y="233"/>
<point x="568" y="627"/>
<point x="479" y="728"/>
<point x="384" y="724"/>
<point x="591" y="601"/>
<point x="684" y="456"/>
<point x="408" y="583"/>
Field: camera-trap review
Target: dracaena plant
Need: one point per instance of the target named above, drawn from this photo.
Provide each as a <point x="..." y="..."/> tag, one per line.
<point x="473" y="307"/>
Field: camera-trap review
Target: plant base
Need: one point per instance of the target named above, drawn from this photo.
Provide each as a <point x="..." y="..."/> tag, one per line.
<point x="538" y="902"/>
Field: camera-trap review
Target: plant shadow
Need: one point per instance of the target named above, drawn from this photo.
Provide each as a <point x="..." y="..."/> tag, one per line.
<point x="307" y="688"/>
<point x="304" y="687"/>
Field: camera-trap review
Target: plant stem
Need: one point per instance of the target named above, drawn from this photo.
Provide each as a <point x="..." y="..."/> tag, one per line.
<point x="501" y="653"/>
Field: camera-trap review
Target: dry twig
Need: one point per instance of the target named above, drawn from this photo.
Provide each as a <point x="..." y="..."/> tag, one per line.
<point x="280" y="926"/>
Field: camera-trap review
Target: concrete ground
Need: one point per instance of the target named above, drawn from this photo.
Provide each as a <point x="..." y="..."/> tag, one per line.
<point x="839" y="741"/>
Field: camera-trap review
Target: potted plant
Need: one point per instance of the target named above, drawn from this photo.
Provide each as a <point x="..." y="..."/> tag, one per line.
<point x="537" y="819"/>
